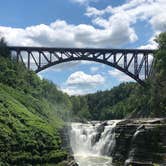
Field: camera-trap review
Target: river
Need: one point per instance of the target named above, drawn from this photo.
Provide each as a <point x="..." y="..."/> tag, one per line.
<point x="92" y="143"/>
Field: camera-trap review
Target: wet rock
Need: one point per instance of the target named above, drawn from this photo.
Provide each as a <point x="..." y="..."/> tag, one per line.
<point x="95" y="139"/>
<point x="140" y="142"/>
<point x="101" y="127"/>
<point x="70" y="162"/>
<point x="141" y="127"/>
<point x="137" y="163"/>
<point x="100" y="130"/>
<point x="105" y="123"/>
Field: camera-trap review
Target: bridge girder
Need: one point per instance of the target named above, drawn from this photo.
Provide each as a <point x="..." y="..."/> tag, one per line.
<point x="136" y="63"/>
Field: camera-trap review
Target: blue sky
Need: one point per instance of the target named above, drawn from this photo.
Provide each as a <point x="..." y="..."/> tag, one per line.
<point x="84" y="23"/>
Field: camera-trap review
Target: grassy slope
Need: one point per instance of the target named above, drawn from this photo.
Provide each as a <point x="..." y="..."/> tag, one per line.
<point x="28" y="129"/>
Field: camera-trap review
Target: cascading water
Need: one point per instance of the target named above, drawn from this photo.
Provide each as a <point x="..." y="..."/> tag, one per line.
<point x="93" y="142"/>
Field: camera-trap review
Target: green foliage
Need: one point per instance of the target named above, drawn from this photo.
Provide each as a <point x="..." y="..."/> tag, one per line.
<point x="158" y="81"/>
<point x="80" y="109"/>
<point x="161" y="40"/>
<point x="3" y="49"/>
<point x="31" y="114"/>
<point x="110" y="104"/>
<point x="26" y="133"/>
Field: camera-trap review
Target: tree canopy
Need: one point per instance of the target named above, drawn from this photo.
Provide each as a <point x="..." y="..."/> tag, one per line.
<point x="3" y="48"/>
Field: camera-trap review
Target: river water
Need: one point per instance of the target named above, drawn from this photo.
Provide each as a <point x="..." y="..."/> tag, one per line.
<point x="92" y="143"/>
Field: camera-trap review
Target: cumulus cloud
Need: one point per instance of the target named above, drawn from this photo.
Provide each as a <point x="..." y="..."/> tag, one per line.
<point x="62" y="34"/>
<point x="80" y="78"/>
<point x="128" y="14"/>
<point x="159" y="22"/>
<point x="120" y="76"/>
<point x="134" y="9"/>
<point x="112" y="27"/>
<point x="80" y="83"/>
<point x="92" y="11"/>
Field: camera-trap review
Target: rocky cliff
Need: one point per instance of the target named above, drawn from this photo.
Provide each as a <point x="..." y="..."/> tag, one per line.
<point x="140" y="142"/>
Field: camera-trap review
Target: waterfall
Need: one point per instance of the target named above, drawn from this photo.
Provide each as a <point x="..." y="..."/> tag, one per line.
<point x="93" y="139"/>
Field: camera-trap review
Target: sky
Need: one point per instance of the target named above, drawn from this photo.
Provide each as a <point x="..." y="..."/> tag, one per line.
<point x="83" y="23"/>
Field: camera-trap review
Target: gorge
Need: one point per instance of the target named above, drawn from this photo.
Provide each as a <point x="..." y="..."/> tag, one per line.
<point x="33" y="111"/>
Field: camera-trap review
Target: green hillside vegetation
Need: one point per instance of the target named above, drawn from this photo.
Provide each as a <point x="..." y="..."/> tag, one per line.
<point x="31" y="114"/>
<point x="117" y="103"/>
<point x="128" y="100"/>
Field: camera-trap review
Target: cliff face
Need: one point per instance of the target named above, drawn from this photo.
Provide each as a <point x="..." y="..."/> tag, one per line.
<point x="140" y="142"/>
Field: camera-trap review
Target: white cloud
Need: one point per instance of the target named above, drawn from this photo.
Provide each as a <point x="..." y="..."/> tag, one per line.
<point x="80" y="83"/>
<point x="116" y="27"/>
<point x="120" y="76"/>
<point x="16" y="36"/>
<point x="134" y="9"/>
<point x="80" y="78"/>
<point x="128" y="14"/>
<point x="62" y="34"/>
<point x="92" y="11"/>
<point x="159" y="22"/>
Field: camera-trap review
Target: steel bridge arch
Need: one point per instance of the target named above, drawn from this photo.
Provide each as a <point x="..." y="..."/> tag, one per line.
<point x="44" y="58"/>
<point x="96" y="60"/>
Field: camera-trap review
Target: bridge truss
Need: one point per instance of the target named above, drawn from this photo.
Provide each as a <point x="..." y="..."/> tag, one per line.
<point x="136" y="63"/>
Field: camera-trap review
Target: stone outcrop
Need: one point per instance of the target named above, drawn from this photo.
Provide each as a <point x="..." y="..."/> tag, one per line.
<point x="69" y="162"/>
<point x="140" y="142"/>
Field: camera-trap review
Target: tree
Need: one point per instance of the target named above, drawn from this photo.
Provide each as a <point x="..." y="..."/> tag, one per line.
<point x="160" y="56"/>
<point x="158" y="99"/>
<point x="161" y="40"/>
<point x="4" y="51"/>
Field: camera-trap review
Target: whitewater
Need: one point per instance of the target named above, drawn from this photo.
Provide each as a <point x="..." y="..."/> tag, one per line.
<point x="92" y="143"/>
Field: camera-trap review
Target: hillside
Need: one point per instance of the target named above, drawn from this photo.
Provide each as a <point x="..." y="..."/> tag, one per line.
<point x="119" y="102"/>
<point x="31" y="114"/>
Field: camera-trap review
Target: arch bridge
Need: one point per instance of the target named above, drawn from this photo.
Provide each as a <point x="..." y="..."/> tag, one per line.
<point x="136" y="63"/>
